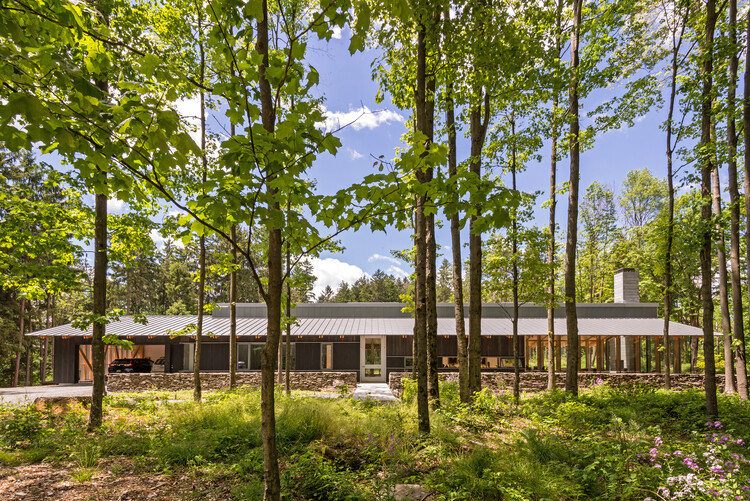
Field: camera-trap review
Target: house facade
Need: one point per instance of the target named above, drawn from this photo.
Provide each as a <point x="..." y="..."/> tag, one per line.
<point x="374" y="339"/>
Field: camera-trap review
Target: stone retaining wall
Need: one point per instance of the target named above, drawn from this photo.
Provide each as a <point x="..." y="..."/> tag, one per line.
<point x="312" y="381"/>
<point x="537" y="381"/>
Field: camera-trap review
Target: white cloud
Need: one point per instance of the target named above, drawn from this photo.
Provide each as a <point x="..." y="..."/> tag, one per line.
<point x="360" y="118"/>
<point x="159" y="240"/>
<point x="395" y="268"/>
<point x="156" y="237"/>
<point x="114" y="205"/>
<point x="397" y="272"/>
<point x="354" y="154"/>
<point x="330" y="271"/>
<point x="337" y="32"/>
<point x="380" y="257"/>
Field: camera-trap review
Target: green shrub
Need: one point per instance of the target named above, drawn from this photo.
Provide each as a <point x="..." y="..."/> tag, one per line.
<point x="311" y="476"/>
<point x="21" y="425"/>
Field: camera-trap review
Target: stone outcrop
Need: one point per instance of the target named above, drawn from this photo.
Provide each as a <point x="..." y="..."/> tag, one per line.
<point x="60" y="405"/>
<point x="537" y="381"/>
<point x="312" y="381"/>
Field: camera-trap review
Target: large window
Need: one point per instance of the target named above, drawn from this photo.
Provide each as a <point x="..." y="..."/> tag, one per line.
<point x="248" y="356"/>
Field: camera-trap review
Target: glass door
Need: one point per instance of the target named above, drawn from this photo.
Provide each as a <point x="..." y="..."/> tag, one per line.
<point x="372" y="355"/>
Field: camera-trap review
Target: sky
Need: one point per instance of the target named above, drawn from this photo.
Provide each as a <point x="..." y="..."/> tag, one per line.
<point x="349" y="96"/>
<point x="346" y="84"/>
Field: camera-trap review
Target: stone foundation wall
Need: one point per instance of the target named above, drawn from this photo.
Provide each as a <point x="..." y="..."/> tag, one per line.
<point x="311" y="381"/>
<point x="537" y="381"/>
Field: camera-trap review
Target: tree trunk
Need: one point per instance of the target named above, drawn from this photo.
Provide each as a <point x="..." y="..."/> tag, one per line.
<point x="433" y="386"/>
<point x="22" y="325"/>
<point x="288" y="315"/>
<point x="726" y="327"/>
<point x="551" y="383"/>
<point x="514" y="232"/>
<point x="233" y="309"/>
<point x="29" y="352"/>
<point x="272" y="481"/>
<point x="233" y="295"/>
<point x="197" y="390"/>
<point x="431" y="286"/>
<point x="668" y="297"/>
<point x="420" y="293"/>
<point x="705" y="254"/>
<point x="100" y="308"/>
<point x="478" y="131"/>
<point x="45" y="349"/>
<point x="740" y="353"/>
<point x="458" y="287"/>
<point x="571" y="315"/>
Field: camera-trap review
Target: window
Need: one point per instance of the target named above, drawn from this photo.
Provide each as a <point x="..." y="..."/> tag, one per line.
<point x="248" y="356"/>
<point x="326" y="356"/>
<point x="408" y="363"/>
<point x="447" y="362"/>
<point x="188" y="356"/>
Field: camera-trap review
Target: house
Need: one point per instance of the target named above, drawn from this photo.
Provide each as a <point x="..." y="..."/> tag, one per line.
<point x="374" y="339"/>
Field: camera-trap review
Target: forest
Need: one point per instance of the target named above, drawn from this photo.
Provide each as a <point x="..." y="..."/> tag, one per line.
<point x="90" y="112"/>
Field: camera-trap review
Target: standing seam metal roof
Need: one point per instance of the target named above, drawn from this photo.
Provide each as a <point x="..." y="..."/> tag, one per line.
<point x="161" y="325"/>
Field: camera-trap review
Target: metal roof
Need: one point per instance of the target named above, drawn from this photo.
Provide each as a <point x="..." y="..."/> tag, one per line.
<point x="444" y="310"/>
<point x="160" y="325"/>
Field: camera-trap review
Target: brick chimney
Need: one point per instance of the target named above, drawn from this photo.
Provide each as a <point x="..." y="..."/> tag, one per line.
<point x="626" y="286"/>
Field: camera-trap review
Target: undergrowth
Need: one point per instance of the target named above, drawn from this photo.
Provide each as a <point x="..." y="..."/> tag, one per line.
<point x="552" y="446"/>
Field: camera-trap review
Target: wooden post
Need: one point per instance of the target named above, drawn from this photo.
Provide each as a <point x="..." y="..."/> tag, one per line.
<point x="638" y="354"/>
<point x="677" y="356"/>
<point x="526" y="362"/>
<point x="558" y="353"/>
<point x="618" y="349"/>
<point x="539" y="354"/>
<point x="599" y="361"/>
<point x="657" y="355"/>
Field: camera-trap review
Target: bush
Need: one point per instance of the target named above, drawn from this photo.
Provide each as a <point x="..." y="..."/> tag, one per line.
<point x="311" y="476"/>
<point x="21" y="425"/>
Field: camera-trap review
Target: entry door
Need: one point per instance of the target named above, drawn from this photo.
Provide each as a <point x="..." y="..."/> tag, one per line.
<point x="372" y="356"/>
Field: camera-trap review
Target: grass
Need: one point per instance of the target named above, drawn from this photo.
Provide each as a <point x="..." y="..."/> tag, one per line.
<point x="608" y="443"/>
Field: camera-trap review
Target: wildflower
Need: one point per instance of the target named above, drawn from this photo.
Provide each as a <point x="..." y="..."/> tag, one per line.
<point x="718" y="425"/>
<point x="658" y="441"/>
<point x="678" y="453"/>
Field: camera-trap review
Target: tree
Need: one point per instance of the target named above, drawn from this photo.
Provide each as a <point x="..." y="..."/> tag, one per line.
<point x="706" y="167"/>
<point x="599" y="231"/>
<point x="571" y="317"/>
<point x="676" y="25"/>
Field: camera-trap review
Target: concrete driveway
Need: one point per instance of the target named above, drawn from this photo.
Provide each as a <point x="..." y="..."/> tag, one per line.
<point x="27" y="394"/>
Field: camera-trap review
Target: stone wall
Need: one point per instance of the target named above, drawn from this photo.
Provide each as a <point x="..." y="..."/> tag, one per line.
<point x="537" y="381"/>
<point x="312" y="381"/>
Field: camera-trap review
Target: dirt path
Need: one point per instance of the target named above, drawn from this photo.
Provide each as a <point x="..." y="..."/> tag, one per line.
<point x="115" y="479"/>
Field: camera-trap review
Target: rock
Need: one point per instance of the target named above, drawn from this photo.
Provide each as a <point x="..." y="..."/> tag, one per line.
<point x="410" y="492"/>
<point x="60" y="405"/>
<point x="311" y="381"/>
<point x="537" y="381"/>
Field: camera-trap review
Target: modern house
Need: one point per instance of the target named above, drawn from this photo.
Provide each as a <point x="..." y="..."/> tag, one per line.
<point x="375" y="339"/>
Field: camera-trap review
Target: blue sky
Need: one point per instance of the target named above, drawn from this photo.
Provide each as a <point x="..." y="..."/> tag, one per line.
<point x="347" y="86"/>
<point x="349" y="92"/>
